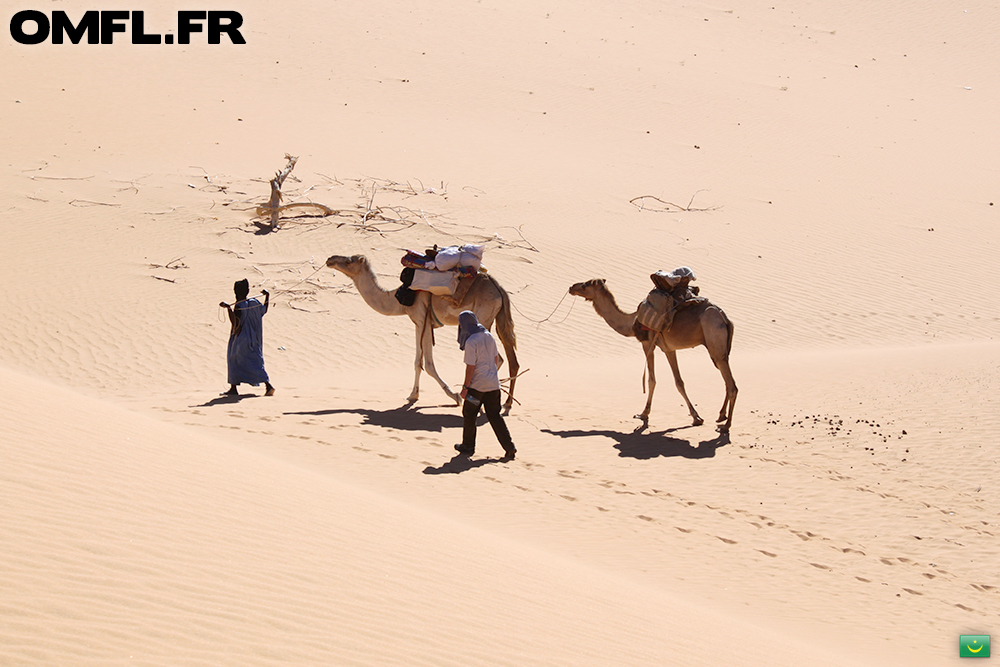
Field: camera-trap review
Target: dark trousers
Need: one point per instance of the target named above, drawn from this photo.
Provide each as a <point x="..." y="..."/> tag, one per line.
<point x="470" y="410"/>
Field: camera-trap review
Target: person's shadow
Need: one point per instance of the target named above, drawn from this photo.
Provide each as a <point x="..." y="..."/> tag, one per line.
<point x="641" y="445"/>
<point x="226" y="399"/>
<point x="401" y="419"/>
<point x="458" y="464"/>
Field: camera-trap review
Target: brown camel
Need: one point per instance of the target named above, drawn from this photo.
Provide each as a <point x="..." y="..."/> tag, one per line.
<point x="486" y="298"/>
<point x="700" y="324"/>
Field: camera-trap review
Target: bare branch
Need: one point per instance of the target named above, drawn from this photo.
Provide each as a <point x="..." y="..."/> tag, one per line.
<point x="669" y="207"/>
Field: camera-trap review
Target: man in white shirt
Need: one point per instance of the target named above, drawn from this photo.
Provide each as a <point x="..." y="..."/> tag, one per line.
<point x="482" y="384"/>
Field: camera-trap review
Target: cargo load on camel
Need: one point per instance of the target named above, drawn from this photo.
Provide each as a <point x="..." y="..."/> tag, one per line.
<point x="447" y="272"/>
<point x="671" y="293"/>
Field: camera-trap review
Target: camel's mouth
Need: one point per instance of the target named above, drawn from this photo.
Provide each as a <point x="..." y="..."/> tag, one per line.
<point x="338" y="261"/>
<point x="582" y="289"/>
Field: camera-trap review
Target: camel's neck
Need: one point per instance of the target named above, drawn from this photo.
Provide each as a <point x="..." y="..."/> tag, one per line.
<point x="382" y="301"/>
<point x="607" y="308"/>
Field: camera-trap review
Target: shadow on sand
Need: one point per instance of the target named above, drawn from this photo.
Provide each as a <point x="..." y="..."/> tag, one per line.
<point x="226" y="399"/>
<point x="403" y="418"/>
<point x="640" y="445"/>
<point x="460" y="463"/>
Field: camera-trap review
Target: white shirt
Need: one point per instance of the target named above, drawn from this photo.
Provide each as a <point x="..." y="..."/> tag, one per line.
<point x="481" y="352"/>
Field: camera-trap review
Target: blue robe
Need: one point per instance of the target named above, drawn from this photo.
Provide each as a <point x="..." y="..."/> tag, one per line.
<point x="245" y="354"/>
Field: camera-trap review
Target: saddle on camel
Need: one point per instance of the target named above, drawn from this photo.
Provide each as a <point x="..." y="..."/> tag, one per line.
<point x="672" y="292"/>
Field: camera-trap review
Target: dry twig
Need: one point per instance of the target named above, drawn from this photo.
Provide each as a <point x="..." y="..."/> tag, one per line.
<point x="172" y="264"/>
<point x="640" y="203"/>
<point x="87" y="202"/>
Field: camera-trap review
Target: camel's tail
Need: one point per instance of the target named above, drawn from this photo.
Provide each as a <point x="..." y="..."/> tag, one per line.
<point x="729" y="339"/>
<point x="505" y="320"/>
<point x="505" y="332"/>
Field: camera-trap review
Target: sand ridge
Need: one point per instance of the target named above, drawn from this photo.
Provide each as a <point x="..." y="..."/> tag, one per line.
<point x="827" y="171"/>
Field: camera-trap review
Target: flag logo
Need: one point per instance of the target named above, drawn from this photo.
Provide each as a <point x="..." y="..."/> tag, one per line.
<point x="974" y="646"/>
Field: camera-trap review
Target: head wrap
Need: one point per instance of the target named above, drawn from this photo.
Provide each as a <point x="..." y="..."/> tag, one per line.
<point x="242" y="289"/>
<point x="468" y="325"/>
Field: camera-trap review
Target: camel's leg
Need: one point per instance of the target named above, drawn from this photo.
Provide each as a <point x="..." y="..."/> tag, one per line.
<point x="679" y="383"/>
<point x="718" y="339"/>
<point x="428" y="348"/>
<point x="730" y="401"/>
<point x="648" y="348"/>
<point x="418" y="365"/>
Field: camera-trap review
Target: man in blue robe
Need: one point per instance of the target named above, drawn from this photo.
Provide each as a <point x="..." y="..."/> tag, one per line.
<point x="245" y="354"/>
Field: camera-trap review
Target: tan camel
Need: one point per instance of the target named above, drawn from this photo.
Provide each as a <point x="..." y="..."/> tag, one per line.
<point x="701" y="324"/>
<point x="486" y="298"/>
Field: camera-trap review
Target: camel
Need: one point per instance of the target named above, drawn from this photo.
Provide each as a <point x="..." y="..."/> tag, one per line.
<point x="486" y="298"/>
<point x="701" y="324"/>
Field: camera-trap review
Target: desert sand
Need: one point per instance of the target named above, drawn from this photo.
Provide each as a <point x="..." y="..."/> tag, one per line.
<point x="828" y="172"/>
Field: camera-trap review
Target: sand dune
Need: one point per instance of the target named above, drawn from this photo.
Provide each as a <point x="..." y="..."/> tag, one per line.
<point x="827" y="171"/>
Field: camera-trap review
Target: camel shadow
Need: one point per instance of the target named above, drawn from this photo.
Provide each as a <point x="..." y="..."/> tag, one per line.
<point x="458" y="464"/>
<point x="401" y="419"/>
<point x="644" y="446"/>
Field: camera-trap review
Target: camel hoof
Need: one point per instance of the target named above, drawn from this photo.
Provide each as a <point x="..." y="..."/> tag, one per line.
<point x="723" y="429"/>
<point x="643" y="417"/>
<point x="699" y="421"/>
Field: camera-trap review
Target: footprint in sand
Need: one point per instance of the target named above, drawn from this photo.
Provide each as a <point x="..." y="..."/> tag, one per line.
<point x="912" y="592"/>
<point x="821" y="566"/>
<point x="645" y="518"/>
<point x="727" y="541"/>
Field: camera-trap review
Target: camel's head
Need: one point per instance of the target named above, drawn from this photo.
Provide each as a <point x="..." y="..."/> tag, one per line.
<point x="350" y="266"/>
<point x="589" y="289"/>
